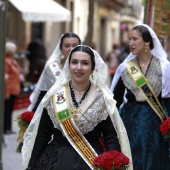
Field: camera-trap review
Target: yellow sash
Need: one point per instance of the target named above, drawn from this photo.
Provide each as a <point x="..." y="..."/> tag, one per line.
<point x="145" y="88"/>
<point x="70" y="129"/>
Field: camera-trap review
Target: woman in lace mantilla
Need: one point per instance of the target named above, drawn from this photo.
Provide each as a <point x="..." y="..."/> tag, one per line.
<point x="92" y="109"/>
<point x="149" y="150"/>
<point x="48" y="77"/>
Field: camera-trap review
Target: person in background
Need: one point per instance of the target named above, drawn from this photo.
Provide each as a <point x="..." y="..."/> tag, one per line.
<point x="125" y="50"/>
<point x="13" y="78"/>
<point x="93" y="45"/>
<point x="112" y="60"/>
<point x="37" y="57"/>
<point x="76" y="110"/>
<point x="145" y="74"/>
<point x="53" y="67"/>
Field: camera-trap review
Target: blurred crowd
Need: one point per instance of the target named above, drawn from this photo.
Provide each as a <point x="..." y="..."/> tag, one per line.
<point x="116" y="57"/>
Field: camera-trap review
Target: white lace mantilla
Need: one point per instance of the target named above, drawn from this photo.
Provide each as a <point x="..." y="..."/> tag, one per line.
<point x="154" y="75"/>
<point x="46" y="81"/>
<point x="93" y="111"/>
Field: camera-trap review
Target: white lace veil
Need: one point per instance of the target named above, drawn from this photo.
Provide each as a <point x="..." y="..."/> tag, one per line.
<point x="159" y="53"/>
<point x="100" y="76"/>
<point x="46" y="81"/>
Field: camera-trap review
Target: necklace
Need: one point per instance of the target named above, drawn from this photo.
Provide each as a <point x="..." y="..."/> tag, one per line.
<point x="144" y="67"/>
<point x="77" y="104"/>
<point x="79" y="93"/>
<point x="76" y="109"/>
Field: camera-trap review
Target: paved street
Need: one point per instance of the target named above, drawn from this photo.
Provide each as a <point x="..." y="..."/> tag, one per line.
<point x="10" y="158"/>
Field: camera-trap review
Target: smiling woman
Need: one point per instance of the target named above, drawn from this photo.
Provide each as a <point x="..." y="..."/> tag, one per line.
<point x="76" y="122"/>
<point x="80" y="69"/>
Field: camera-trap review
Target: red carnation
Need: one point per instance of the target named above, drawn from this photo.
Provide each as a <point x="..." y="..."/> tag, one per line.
<point x="27" y="116"/>
<point x="23" y="121"/>
<point x="165" y="129"/>
<point x="111" y="160"/>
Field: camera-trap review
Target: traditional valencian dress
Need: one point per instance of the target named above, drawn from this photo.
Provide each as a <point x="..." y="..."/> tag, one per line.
<point x="142" y="113"/>
<point x="75" y="130"/>
<point x="59" y="154"/>
<point x="149" y="150"/>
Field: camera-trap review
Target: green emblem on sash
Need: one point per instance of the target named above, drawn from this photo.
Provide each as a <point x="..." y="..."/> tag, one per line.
<point x="63" y="115"/>
<point x="141" y="81"/>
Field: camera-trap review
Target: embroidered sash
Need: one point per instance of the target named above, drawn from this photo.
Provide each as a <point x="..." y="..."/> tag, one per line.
<point x="55" y="69"/>
<point x="70" y="129"/>
<point x="145" y="88"/>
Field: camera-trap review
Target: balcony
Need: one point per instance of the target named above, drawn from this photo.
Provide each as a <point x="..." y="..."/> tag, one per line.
<point x="113" y="4"/>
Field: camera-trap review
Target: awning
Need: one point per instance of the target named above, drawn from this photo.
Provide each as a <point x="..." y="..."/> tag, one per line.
<point x="41" y="10"/>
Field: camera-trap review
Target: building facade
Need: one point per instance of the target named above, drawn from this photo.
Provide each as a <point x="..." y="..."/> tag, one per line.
<point x="111" y="21"/>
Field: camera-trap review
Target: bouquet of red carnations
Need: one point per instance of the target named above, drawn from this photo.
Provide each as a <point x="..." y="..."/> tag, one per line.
<point x="23" y="121"/>
<point x="165" y="129"/>
<point x="111" y="160"/>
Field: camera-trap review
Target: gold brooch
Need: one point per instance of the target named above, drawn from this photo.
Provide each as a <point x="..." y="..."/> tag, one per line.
<point x="75" y="111"/>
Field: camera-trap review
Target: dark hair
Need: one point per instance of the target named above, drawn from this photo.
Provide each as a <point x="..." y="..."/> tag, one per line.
<point x="145" y="34"/>
<point x="115" y="46"/>
<point x="69" y="35"/>
<point x="36" y="50"/>
<point x="84" y="49"/>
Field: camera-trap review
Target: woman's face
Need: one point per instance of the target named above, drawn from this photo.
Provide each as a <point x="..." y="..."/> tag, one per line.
<point x="68" y="44"/>
<point x="136" y="42"/>
<point x="80" y="67"/>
